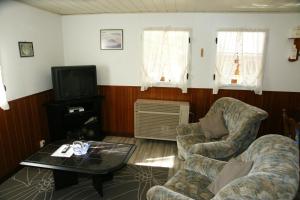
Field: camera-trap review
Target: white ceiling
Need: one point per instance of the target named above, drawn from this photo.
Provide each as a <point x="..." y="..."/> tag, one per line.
<point x="70" y="7"/>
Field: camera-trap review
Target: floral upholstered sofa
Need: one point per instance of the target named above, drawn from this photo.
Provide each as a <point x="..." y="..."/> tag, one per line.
<point x="274" y="175"/>
<point x="242" y="121"/>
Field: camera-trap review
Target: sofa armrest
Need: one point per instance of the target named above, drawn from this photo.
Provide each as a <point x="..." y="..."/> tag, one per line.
<point x="259" y="186"/>
<point x="191" y="128"/>
<point x="222" y="150"/>
<point x="206" y="166"/>
<point x="162" y="193"/>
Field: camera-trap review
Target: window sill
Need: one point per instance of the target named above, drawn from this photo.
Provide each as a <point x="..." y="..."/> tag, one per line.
<point x="164" y="84"/>
<point x="236" y="87"/>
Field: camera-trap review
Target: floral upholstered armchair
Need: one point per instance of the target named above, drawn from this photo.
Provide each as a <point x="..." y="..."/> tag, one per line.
<point x="274" y="175"/>
<point x="242" y="122"/>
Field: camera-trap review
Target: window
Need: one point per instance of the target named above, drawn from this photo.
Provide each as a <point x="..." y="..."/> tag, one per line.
<point x="166" y="58"/>
<point x="240" y="56"/>
<point x="3" y="101"/>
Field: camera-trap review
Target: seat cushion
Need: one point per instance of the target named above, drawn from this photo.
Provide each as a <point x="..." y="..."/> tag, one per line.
<point x="185" y="142"/>
<point x="214" y="126"/>
<point x="232" y="170"/>
<point x="191" y="184"/>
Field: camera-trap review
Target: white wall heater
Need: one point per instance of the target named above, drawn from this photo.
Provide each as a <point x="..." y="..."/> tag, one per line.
<point x="156" y="119"/>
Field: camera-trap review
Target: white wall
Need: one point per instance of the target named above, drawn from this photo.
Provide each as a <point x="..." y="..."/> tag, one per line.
<point x="82" y="45"/>
<point x="19" y="22"/>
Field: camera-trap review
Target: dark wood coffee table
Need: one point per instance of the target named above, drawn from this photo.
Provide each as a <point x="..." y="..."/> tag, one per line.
<point x="101" y="160"/>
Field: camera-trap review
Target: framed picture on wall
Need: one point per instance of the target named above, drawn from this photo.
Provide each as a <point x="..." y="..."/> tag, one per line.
<point x="26" y="49"/>
<point x="111" y="39"/>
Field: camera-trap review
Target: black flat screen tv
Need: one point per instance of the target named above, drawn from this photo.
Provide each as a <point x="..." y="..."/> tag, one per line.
<point x="74" y="82"/>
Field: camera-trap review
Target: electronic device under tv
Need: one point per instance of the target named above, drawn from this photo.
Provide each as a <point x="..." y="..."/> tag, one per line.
<point x="74" y="82"/>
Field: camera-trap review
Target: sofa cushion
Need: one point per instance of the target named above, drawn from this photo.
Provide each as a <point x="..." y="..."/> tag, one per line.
<point x="213" y="126"/>
<point x="185" y="141"/>
<point x="191" y="184"/>
<point x="232" y="170"/>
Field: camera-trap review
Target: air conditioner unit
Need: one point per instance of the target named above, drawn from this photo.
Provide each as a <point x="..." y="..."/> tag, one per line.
<point x="156" y="119"/>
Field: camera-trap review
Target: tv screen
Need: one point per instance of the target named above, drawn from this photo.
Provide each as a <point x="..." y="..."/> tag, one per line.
<point x="74" y="82"/>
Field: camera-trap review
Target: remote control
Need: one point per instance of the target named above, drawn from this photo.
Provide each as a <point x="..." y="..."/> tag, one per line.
<point x="65" y="149"/>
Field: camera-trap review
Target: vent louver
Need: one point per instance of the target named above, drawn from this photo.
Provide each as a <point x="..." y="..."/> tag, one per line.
<point x="155" y="119"/>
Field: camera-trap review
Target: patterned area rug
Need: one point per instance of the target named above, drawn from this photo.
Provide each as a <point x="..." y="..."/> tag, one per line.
<point x="130" y="183"/>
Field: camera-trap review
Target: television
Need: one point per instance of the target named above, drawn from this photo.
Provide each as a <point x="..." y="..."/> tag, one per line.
<point x="74" y="82"/>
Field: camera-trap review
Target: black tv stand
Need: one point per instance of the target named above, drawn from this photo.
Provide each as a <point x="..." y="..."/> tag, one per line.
<point x="75" y="119"/>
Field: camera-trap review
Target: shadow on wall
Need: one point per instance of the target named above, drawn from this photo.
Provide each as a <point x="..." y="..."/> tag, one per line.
<point x="103" y="74"/>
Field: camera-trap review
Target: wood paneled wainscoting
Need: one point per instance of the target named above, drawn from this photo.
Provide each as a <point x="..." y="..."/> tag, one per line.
<point x="21" y="129"/>
<point x="25" y="124"/>
<point x="118" y="105"/>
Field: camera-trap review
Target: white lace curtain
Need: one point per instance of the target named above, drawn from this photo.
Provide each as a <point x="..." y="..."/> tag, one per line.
<point x="246" y="45"/>
<point x="166" y="58"/>
<point x="3" y="101"/>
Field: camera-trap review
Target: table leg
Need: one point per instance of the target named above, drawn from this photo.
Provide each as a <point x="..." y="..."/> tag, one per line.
<point x="97" y="183"/>
<point x="63" y="179"/>
<point x="98" y="180"/>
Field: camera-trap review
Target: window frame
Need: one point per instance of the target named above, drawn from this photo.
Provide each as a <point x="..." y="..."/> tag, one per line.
<point x="189" y="53"/>
<point x="237" y="86"/>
